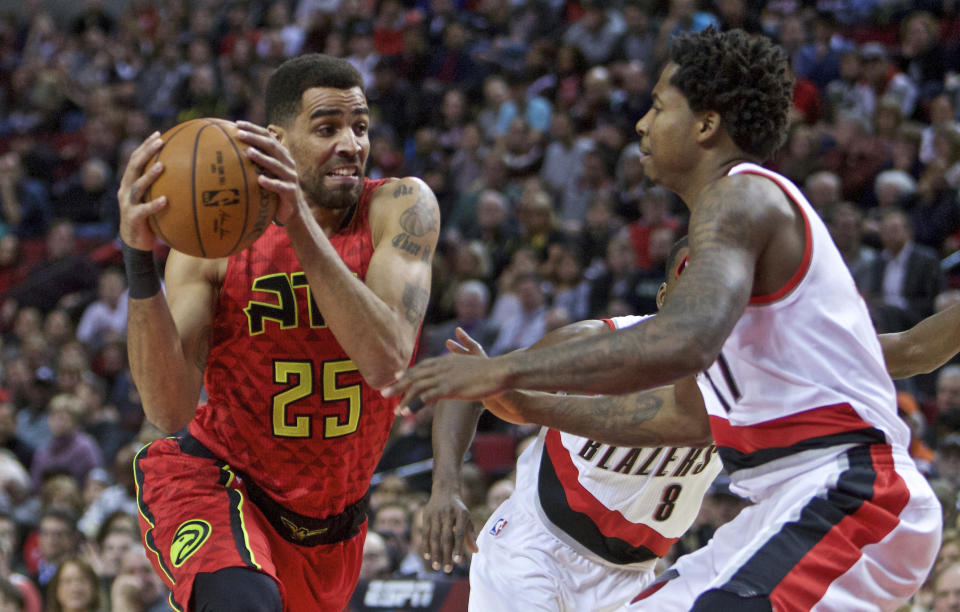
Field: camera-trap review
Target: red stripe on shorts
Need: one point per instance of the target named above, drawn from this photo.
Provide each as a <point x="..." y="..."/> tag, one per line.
<point x="841" y="547"/>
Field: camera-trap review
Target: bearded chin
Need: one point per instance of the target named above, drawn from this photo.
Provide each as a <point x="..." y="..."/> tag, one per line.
<point x="333" y="199"/>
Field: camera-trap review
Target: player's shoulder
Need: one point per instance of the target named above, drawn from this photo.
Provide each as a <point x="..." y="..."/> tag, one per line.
<point x="395" y="189"/>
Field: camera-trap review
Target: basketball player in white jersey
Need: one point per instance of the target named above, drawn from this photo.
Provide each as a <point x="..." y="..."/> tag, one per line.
<point x="792" y="374"/>
<point x="538" y="553"/>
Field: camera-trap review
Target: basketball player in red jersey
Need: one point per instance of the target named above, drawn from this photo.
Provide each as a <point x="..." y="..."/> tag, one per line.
<point x="791" y="372"/>
<point x="260" y="503"/>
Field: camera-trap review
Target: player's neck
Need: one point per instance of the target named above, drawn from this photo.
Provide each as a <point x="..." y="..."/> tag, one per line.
<point x="332" y="220"/>
<point x="715" y="166"/>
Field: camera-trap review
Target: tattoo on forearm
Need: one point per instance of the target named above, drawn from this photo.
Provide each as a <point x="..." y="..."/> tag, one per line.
<point x="414" y="303"/>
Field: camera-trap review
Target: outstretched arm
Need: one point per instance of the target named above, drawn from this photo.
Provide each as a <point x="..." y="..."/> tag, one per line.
<point x="727" y="234"/>
<point x="924" y="347"/>
<point x="670" y="415"/>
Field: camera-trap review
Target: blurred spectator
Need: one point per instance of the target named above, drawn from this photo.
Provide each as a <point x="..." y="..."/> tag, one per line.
<point x="819" y="60"/>
<point x="25" y="209"/>
<point x="13" y="268"/>
<point x="563" y="156"/>
<point x="639" y="36"/>
<point x="566" y="286"/>
<point x="470" y="305"/>
<point x="946" y="589"/>
<point x="682" y="16"/>
<point x="619" y="279"/>
<point x="655" y="213"/>
<point x="57" y="541"/>
<point x="823" y="189"/>
<point x="596" y="33"/>
<point x="909" y="411"/>
<point x="74" y="587"/>
<point x="903" y="282"/>
<point x="948" y="400"/>
<point x="594" y="179"/>
<point x="844" y="220"/>
<point x="376" y="561"/>
<point x="69" y="448"/>
<point x="885" y="80"/>
<point x="66" y="278"/>
<point x="600" y="227"/>
<point x="108" y="551"/>
<point x="538" y="225"/>
<point x="9" y="439"/>
<point x="466" y="163"/>
<point x="528" y="326"/>
<point x="922" y="56"/>
<point x="105" y="319"/>
<point x="138" y="588"/>
<point x="857" y="156"/>
<point x="942" y="114"/>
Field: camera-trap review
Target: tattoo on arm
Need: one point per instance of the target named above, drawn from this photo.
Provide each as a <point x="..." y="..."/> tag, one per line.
<point x="414" y="303"/>
<point x="419" y="219"/>
<point x="613" y="419"/>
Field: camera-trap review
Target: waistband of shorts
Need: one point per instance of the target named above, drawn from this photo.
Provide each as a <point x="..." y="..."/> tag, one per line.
<point x="292" y="526"/>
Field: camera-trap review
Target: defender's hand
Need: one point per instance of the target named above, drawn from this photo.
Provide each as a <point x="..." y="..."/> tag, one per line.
<point x="448" y="531"/>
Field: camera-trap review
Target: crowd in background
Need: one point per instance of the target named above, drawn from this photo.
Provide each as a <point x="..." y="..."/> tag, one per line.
<point x="519" y="114"/>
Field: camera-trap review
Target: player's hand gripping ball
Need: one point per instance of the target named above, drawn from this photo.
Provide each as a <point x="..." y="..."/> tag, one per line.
<point x="215" y="206"/>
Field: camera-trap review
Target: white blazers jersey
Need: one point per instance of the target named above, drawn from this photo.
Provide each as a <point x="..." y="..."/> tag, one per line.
<point x="614" y="505"/>
<point x="801" y="378"/>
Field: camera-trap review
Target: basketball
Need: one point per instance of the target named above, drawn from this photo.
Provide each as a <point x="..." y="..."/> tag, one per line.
<point x="215" y="206"/>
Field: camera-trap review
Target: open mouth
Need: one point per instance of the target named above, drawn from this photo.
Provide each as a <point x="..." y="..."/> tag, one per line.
<point x="344" y="172"/>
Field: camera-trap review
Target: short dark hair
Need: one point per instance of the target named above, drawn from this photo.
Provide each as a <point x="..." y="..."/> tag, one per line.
<point x="294" y="76"/>
<point x="742" y="77"/>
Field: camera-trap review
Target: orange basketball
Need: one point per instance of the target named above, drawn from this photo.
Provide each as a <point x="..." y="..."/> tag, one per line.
<point x="215" y="206"/>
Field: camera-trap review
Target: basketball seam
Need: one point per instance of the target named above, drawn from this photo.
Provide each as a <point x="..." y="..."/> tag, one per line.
<point x="149" y="194"/>
<point x="246" y="188"/>
<point x="193" y="188"/>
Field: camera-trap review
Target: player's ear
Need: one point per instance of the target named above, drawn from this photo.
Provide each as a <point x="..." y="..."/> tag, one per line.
<point x="661" y="295"/>
<point x="708" y="125"/>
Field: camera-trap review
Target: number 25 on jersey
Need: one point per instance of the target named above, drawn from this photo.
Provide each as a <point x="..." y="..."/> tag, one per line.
<point x="299" y="376"/>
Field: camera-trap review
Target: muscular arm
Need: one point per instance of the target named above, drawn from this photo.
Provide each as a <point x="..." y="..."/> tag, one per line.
<point x="377" y="321"/>
<point x="727" y="234"/>
<point x="168" y="341"/>
<point x="645" y="418"/>
<point x="924" y="347"/>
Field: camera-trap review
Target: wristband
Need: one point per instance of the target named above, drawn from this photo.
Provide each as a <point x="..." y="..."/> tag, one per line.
<point x="143" y="280"/>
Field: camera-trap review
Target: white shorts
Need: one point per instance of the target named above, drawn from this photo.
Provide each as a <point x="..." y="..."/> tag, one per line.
<point x="522" y="566"/>
<point x="862" y="536"/>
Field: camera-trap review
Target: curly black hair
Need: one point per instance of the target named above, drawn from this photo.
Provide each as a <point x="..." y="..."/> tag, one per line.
<point x="293" y="77"/>
<point x="742" y="77"/>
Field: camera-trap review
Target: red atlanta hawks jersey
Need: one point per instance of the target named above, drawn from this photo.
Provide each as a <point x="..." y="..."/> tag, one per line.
<point x="801" y="377"/>
<point x="286" y="404"/>
<point x="615" y="505"/>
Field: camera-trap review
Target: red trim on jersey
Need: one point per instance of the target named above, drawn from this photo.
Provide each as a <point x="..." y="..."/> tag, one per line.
<point x="650" y="590"/>
<point x="841" y="547"/>
<point x="610" y="323"/>
<point x="801" y="271"/>
<point x="788" y="430"/>
<point x="610" y="522"/>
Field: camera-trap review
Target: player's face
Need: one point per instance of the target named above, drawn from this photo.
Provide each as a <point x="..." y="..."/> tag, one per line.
<point x="674" y="269"/>
<point x="667" y="133"/>
<point x="330" y="143"/>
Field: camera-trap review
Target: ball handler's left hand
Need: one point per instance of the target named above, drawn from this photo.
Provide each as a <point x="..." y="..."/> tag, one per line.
<point x="280" y="171"/>
<point x="464" y="377"/>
